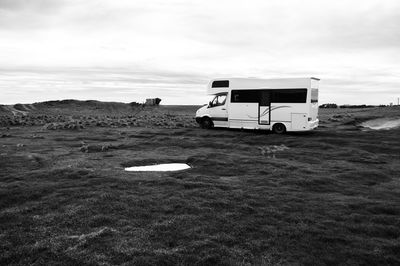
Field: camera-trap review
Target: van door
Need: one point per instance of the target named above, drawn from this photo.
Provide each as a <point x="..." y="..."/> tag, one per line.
<point x="244" y="109"/>
<point x="218" y="111"/>
<point x="264" y="112"/>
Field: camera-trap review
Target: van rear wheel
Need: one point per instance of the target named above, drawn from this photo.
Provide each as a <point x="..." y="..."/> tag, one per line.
<point x="206" y="123"/>
<point x="279" y="128"/>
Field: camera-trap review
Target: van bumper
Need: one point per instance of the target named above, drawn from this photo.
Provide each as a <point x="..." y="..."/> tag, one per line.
<point x="313" y="124"/>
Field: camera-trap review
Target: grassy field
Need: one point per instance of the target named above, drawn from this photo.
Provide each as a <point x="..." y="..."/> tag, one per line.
<point x="327" y="197"/>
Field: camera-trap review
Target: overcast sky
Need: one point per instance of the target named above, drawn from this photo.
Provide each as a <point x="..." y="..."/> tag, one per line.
<point x="131" y="50"/>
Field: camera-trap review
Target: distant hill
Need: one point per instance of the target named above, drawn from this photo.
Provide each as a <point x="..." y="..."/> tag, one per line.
<point x="74" y="114"/>
<point x="68" y="106"/>
<point x="89" y="107"/>
<point x="75" y="106"/>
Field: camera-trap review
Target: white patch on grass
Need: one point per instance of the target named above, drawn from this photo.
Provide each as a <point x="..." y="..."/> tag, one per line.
<point x="159" y="167"/>
<point x="378" y="124"/>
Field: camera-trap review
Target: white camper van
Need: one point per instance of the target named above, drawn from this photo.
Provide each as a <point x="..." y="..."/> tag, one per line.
<point x="279" y="105"/>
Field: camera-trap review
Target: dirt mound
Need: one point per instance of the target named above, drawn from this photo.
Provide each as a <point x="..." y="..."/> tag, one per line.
<point x="3" y="109"/>
<point x="24" y="107"/>
<point x="11" y="110"/>
<point x="75" y="106"/>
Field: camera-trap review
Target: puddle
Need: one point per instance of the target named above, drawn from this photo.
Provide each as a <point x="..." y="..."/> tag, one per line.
<point x="379" y="124"/>
<point x="159" y="167"/>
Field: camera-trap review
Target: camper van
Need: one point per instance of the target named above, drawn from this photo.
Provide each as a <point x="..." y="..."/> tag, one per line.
<point x="279" y="105"/>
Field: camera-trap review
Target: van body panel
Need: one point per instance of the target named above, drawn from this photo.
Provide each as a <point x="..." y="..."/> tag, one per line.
<point x="243" y="111"/>
<point x="299" y="121"/>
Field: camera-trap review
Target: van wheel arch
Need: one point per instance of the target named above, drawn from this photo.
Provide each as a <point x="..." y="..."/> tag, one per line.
<point x="206" y="122"/>
<point x="279" y="128"/>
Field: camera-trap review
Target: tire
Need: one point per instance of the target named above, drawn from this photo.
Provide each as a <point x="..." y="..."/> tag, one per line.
<point x="279" y="128"/>
<point x="206" y="123"/>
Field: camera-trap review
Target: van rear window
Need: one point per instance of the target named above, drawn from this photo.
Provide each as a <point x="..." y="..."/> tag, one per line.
<point x="314" y="95"/>
<point x="220" y="84"/>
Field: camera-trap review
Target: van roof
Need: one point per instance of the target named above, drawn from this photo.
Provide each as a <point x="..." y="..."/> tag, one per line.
<point x="262" y="79"/>
<point x="224" y="84"/>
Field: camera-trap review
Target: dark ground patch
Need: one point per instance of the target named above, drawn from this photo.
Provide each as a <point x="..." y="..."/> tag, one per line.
<point x="331" y="198"/>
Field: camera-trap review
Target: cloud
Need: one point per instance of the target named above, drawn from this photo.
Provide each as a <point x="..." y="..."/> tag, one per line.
<point x="353" y="46"/>
<point x="34" y="5"/>
<point x="23" y="15"/>
<point x="109" y="84"/>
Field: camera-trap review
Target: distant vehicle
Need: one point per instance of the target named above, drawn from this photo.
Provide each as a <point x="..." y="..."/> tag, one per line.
<point x="279" y="105"/>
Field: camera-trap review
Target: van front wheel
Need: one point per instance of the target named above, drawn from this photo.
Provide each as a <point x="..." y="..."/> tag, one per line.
<point x="279" y="128"/>
<point x="207" y="123"/>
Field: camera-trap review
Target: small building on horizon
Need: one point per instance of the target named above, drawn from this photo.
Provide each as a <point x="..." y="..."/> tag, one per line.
<point x="153" y="101"/>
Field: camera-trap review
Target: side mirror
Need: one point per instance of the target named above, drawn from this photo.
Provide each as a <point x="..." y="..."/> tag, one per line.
<point x="210" y="104"/>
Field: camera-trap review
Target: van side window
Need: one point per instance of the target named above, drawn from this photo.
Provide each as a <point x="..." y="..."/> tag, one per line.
<point x="221" y="99"/>
<point x="289" y="96"/>
<point x="245" y="96"/>
<point x="218" y="100"/>
<point x="265" y="98"/>
<point x="220" y="84"/>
